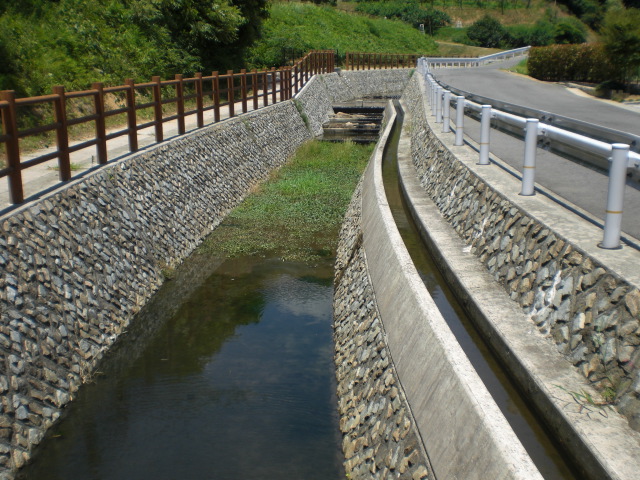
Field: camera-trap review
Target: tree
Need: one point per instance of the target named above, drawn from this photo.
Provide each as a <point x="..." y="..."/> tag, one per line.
<point x="621" y="36"/>
<point x="489" y="32"/>
<point x="569" y="30"/>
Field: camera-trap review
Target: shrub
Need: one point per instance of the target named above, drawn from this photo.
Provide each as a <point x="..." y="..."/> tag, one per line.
<point x="489" y="32"/>
<point x="581" y="63"/>
<point x="569" y="30"/>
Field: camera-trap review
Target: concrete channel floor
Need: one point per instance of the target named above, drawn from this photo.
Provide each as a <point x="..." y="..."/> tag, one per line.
<point x="582" y="186"/>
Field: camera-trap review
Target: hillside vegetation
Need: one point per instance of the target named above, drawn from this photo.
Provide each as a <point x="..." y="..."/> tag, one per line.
<point x="305" y="26"/>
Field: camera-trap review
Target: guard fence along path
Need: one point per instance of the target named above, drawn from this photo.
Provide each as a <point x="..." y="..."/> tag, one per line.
<point x="143" y="106"/>
<point x="618" y="155"/>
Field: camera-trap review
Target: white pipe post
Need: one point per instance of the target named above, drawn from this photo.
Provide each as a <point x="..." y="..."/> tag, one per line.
<point x="446" y="114"/>
<point x="434" y="93"/>
<point x="459" y="120"/>
<point x="439" y="104"/>
<point x="615" y="196"/>
<point x="485" y="128"/>
<point x="530" y="147"/>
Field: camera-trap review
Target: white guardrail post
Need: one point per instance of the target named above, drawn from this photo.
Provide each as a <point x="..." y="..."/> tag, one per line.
<point x="446" y="112"/>
<point x="459" y="120"/>
<point x="530" y="146"/>
<point x="615" y="196"/>
<point x="434" y="93"/>
<point x="439" y="91"/>
<point x="485" y="129"/>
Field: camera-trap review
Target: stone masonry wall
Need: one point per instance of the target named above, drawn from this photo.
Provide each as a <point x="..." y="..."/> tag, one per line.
<point x="591" y="314"/>
<point x="76" y="266"/>
<point x="379" y="434"/>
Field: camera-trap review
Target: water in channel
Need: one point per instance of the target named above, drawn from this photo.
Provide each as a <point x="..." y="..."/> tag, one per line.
<point x="536" y="440"/>
<point x="227" y="374"/>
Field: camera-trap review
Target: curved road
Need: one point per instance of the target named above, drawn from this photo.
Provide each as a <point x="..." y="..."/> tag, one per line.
<point x="491" y="81"/>
<point x="582" y="186"/>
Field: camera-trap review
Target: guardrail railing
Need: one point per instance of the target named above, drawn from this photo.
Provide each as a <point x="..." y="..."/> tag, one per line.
<point x="188" y="96"/>
<point x="464" y="62"/>
<point x="618" y="155"/>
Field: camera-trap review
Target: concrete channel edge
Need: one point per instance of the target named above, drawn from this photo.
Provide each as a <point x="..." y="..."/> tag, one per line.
<point x="445" y="393"/>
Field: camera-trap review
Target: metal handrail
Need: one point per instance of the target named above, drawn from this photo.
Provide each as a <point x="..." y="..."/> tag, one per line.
<point x="618" y="155"/>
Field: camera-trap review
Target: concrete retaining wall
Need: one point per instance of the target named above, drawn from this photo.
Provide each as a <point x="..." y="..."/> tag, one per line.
<point x="77" y="265"/>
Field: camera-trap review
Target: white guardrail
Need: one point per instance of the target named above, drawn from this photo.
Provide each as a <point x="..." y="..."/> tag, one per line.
<point x="448" y="62"/>
<point x="618" y="154"/>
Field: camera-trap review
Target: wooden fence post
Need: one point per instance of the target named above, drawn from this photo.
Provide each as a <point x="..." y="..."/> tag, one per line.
<point x="215" y="87"/>
<point x="101" y="133"/>
<point x="283" y="84"/>
<point x="10" y="126"/>
<point x="243" y="89"/>
<point x="265" y="89"/>
<point x="180" y="103"/>
<point x="62" y="133"/>
<point x="157" y="108"/>
<point x="254" y="87"/>
<point x="199" y="102"/>
<point x="230" y="93"/>
<point x="274" y="87"/>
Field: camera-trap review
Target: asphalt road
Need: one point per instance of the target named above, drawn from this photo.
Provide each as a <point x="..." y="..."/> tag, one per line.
<point x="584" y="187"/>
<point x="492" y="81"/>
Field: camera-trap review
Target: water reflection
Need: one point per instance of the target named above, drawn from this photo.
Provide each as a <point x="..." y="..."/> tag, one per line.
<point x="238" y="382"/>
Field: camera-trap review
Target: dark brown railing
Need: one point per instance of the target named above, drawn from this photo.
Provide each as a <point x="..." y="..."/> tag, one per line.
<point x="205" y="93"/>
<point x="368" y="61"/>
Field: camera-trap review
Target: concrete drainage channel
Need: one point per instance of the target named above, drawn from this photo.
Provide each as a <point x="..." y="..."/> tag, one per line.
<point x="463" y="431"/>
<point x="547" y="456"/>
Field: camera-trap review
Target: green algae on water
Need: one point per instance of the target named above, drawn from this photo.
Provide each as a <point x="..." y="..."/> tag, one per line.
<point x="297" y="213"/>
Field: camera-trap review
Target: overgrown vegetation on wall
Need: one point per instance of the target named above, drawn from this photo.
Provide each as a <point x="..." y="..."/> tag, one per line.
<point x="584" y="63"/>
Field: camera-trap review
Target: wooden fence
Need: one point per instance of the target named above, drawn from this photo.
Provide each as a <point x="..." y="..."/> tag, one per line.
<point x="368" y="61"/>
<point x="202" y="93"/>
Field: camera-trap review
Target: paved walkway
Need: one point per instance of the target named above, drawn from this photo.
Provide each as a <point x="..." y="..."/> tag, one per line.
<point x="582" y="186"/>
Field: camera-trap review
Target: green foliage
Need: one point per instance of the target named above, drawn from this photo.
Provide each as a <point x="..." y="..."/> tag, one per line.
<point x="621" y="36"/>
<point x="582" y="63"/>
<point x="569" y="30"/>
<point x="589" y="11"/>
<point x="76" y="42"/>
<point x="489" y="32"/>
<point x="299" y="210"/>
<point x="411" y="12"/>
<point x="538" y="35"/>
<point x="304" y="27"/>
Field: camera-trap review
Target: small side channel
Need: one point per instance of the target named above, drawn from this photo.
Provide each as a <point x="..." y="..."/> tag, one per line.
<point x="548" y="458"/>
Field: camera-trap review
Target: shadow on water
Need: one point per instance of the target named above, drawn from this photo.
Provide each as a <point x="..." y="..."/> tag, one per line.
<point x="228" y="373"/>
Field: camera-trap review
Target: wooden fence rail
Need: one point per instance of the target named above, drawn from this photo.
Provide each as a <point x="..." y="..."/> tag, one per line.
<point x="368" y="61"/>
<point x="205" y="93"/>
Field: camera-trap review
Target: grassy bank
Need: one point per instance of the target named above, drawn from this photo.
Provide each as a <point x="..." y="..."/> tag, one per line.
<point x="304" y="26"/>
<point x="297" y="213"/>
